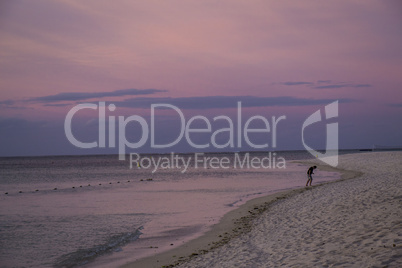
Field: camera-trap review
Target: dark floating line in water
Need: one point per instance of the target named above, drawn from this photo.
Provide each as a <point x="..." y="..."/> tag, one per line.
<point x="73" y="187"/>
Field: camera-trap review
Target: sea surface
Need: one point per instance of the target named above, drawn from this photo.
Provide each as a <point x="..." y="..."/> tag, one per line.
<point x="67" y="211"/>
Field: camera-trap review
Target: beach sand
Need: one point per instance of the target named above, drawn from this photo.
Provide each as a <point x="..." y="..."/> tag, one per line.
<point x="354" y="222"/>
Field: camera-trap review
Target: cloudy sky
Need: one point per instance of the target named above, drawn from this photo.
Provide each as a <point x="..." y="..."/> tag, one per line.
<point x="278" y="58"/>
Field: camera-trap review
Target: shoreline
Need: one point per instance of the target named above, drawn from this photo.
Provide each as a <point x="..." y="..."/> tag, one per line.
<point x="233" y="224"/>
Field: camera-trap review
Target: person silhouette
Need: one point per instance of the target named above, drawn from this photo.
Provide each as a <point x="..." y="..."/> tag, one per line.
<point x="309" y="173"/>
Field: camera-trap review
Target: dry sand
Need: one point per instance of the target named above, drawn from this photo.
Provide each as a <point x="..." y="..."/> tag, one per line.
<point x="355" y="222"/>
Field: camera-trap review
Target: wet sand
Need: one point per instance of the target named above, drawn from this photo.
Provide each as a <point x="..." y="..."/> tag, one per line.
<point x="352" y="222"/>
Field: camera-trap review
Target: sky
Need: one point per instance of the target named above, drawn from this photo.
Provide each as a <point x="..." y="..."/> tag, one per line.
<point x="277" y="58"/>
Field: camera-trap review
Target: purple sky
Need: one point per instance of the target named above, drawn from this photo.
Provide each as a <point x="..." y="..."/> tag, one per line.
<point x="277" y="57"/>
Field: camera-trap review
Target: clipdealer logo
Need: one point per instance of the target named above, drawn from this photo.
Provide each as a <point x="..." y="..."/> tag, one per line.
<point x="331" y="151"/>
<point x="187" y="129"/>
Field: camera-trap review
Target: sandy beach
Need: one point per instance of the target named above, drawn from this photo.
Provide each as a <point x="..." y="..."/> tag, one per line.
<point x="354" y="222"/>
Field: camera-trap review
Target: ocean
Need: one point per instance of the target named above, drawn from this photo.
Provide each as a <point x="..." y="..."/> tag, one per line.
<point x="67" y="211"/>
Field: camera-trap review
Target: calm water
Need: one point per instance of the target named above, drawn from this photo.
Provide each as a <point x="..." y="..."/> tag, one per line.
<point x="96" y="210"/>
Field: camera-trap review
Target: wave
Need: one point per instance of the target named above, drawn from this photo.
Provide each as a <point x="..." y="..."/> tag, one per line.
<point x="83" y="256"/>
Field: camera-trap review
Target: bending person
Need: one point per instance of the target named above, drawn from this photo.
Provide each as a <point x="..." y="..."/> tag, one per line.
<point x="309" y="173"/>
